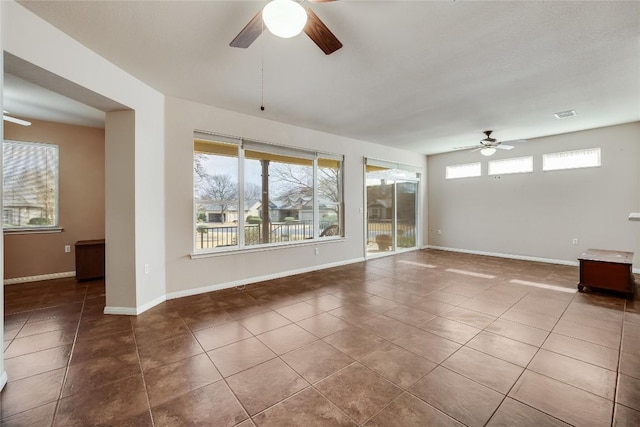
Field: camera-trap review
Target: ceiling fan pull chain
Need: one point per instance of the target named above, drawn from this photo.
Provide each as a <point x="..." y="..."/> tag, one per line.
<point x="262" y="71"/>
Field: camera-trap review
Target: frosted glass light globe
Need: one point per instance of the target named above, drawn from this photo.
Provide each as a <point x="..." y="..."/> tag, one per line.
<point x="284" y="18"/>
<point x="487" y="151"/>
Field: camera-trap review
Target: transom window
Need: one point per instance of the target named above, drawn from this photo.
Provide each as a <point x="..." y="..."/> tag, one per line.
<point x="30" y="185"/>
<point x="513" y="165"/>
<point x="248" y="194"/>
<point x="587" y="158"/>
<point x="466" y="170"/>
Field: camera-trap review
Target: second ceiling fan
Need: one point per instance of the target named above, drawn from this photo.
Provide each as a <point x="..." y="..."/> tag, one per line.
<point x="287" y="18"/>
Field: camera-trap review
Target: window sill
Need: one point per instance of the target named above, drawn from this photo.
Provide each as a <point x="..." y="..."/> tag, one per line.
<point x="34" y="230"/>
<point x="262" y="248"/>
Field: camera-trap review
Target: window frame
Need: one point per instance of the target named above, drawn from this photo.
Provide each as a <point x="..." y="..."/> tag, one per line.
<point x="246" y="145"/>
<point x="53" y="228"/>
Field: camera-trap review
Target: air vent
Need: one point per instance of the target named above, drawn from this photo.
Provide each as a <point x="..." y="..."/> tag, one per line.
<point x="565" y="114"/>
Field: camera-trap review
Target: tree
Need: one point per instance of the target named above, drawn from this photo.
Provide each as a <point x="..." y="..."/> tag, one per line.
<point x="252" y="191"/>
<point x="293" y="182"/>
<point x="221" y="189"/>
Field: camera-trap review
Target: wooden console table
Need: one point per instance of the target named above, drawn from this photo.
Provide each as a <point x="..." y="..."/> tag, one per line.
<point x="89" y="259"/>
<point x="604" y="269"/>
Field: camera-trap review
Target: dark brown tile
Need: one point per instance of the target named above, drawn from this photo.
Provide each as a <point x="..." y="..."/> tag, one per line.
<point x="307" y="408"/>
<point x="89" y="349"/>
<point x="299" y="311"/>
<point x="409" y="411"/>
<point x="590" y="334"/>
<point x="266" y="384"/>
<point x="398" y="365"/>
<point x="83" y="376"/>
<point x="562" y="401"/>
<point x="221" y="335"/>
<point x="630" y="364"/>
<point x="625" y="417"/>
<point x="628" y="392"/>
<point x="206" y="318"/>
<point x="326" y="302"/>
<point x="178" y="378"/>
<point x="504" y="348"/>
<point x="28" y="393"/>
<point x="33" y="343"/>
<point x="239" y="356"/>
<point x="264" y="322"/>
<point x="54" y="324"/>
<point x="587" y="352"/>
<point x="470" y="317"/>
<point x="359" y="392"/>
<point x="317" y="360"/>
<point x="409" y="315"/>
<point x="450" y="329"/>
<point x="355" y="342"/>
<point x="286" y="339"/>
<point x="486" y="307"/>
<point x="119" y="401"/>
<point x="536" y="320"/>
<point x="38" y="362"/>
<point x="169" y="350"/>
<point x="323" y="325"/>
<point x="40" y="416"/>
<point x="386" y="327"/>
<point x="585" y="376"/>
<point x="519" y="332"/>
<point x="104" y="326"/>
<point x="467" y="401"/>
<point x="487" y="370"/>
<point x="428" y="345"/>
<point x="378" y="304"/>
<point x="513" y="413"/>
<point x="213" y="405"/>
<point x="353" y="313"/>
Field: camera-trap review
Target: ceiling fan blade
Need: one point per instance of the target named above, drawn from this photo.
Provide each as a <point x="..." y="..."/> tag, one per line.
<point x="321" y="1"/>
<point x="466" y="147"/>
<point x="320" y="34"/>
<point x="504" y="147"/>
<point x="514" y="141"/>
<point x="249" y="33"/>
<point x="478" y="149"/>
<point x="16" y="121"/>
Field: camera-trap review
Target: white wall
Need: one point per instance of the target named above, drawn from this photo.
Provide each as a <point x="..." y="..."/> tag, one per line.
<point x="36" y="41"/>
<point x="538" y="214"/>
<point x="186" y="275"/>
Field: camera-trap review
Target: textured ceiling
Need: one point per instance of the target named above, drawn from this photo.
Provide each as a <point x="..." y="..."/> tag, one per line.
<point x="424" y="76"/>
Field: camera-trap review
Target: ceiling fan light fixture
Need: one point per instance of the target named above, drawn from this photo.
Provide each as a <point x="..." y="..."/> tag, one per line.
<point x="487" y="151"/>
<point x="284" y="18"/>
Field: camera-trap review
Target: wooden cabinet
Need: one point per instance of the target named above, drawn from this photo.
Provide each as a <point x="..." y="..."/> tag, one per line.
<point x="89" y="259"/>
<point x="609" y="270"/>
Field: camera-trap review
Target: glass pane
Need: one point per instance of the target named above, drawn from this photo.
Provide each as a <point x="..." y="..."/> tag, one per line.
<point x="215" y="177"/>
<point x="285" y="187"/>
<point x="379" y="211"/>
<point x="462" y="171"/>
<point x="513" y="165"/>
<point x="30" y="181"/>
<point x="330" y="197"/>
<point x="407" y="198"/>
<point x="571" y="159"/>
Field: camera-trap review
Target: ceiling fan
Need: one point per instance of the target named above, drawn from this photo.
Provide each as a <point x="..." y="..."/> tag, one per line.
<point x="8" y="118"/>
<point x="287" y="18"/>
<point x="489" y="145"/>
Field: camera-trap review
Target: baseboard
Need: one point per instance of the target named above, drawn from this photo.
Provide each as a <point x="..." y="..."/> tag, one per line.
<point x="134" y="311"/>
<point x="510" y="256"/>
<point x="39" y="277"/>
<point x="3" y="380"/>
<point x="248" y="281"/>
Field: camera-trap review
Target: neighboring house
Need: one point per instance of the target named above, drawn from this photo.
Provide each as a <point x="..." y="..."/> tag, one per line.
<point x="301" y="209"/>
<point x="219" y="212"/>
<point x="19" y="209"/>
<point x="380" y="209"/>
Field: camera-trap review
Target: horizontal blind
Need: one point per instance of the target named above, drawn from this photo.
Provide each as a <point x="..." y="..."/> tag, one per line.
<point x="513" y="165"/>
<point x="466" y="170"/>
<point x="586" y="158"/>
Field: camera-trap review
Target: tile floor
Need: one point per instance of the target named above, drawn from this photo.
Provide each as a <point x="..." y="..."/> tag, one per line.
<point x="422" y="338"/>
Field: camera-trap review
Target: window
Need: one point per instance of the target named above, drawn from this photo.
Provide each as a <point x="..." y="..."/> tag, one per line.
<point x="507" y="166"/>
<point x="463" y="171"/>
<point x="30" y="186"/>
<point x="587" y="158"/>
<point x="249" y="194"/>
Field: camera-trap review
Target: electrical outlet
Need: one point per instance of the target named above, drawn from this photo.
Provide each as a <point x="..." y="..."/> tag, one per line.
<point x="575" y="240"/>
<point x="146" y="269"/>
<point x="439" y="231"/>
<point x="67" y="248"/>
<point x="317" y="251"/>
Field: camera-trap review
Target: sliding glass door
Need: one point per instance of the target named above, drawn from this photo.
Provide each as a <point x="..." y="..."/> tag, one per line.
<point x="392" y="207"/>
